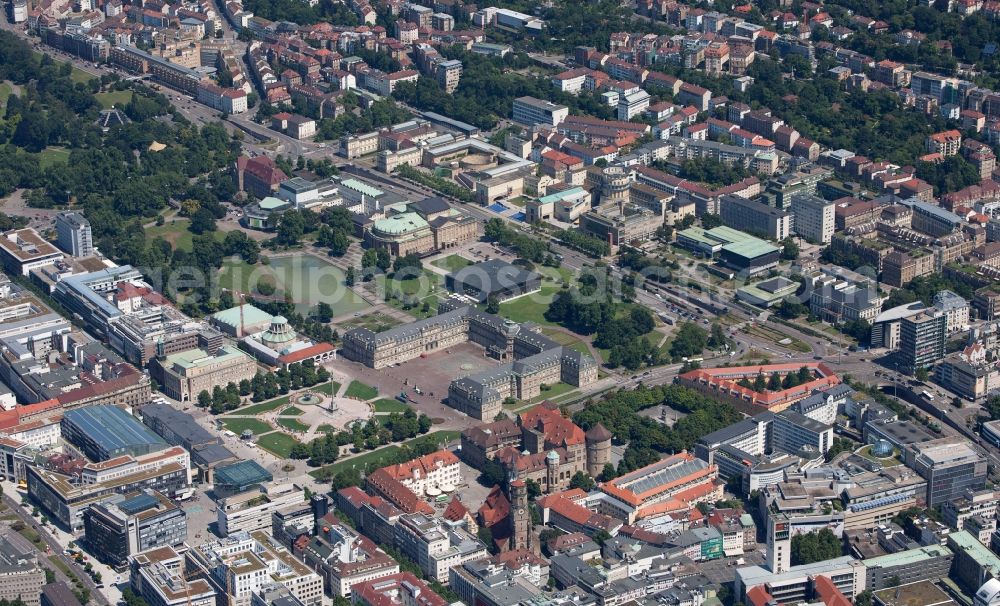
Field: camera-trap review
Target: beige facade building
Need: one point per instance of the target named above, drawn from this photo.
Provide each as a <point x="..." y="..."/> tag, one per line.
<point x="534" y="359"/>
<point x="184" y="375"/>
<point x="20" y="575"/>
<point x="421" y="227"/>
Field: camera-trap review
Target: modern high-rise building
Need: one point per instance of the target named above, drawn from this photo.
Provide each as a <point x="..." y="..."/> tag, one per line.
<point x="921" y="340"/>
<point x="814" y="218"/>
<point x="127" y="524"/>
<point x="951" y="466"/>
<point x="74" y="235"/>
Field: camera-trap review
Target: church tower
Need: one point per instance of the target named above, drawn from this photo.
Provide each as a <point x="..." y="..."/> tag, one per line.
<point x="520" y="537"/>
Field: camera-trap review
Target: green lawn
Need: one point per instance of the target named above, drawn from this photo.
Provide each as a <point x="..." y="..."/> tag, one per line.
<point x="389" y="405"/>
<point x="52" y="155"/>
<point x="116" y="98"/>
<point x="329" y="388"/>
<point x="6" y="90"/>
<point x="176" y="232"/>
<point x="359" y="390"/>
<point x="79" y="75"/>
<point x="554" y="390"/>
<point x="573" y="342"/>
<point x="293" y="424"/>
<point x="374" y="459"/>
<point x="452" y="262"/>
<point x="238" y="425"/>
<point x="530" y="308"/>
<point x="237" y="274"/>
<point x="268" y="406"/>
<point x="277" y="443"/>
<point x="326" y="428"/>
<point x="291" y="411"/>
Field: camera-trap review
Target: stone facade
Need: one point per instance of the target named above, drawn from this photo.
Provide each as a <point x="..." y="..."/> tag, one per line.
<point x="535" y="360"/>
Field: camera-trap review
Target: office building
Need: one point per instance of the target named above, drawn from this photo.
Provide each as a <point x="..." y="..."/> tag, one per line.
<point x="974" y="562"/>
<point x="904" y="567"/>
<point x="737" y="250"/>
<point x="159" y="576"/>
<point x="620" y="224"/>
<point x="792" y="432"/>
<point x="64" y="499"/>
<point x="73" y="234"/>
<point x="184" y="375"/>
<point x="21" y="575"/>
<point x="106" y="432"/>
<point x="534" y="112"/>
<point x="434" y="547"/>
<point x="961" y="512"/>
<point x="124" y="525"/>
<point x="814" y="218"/>
<point x="344" y="558"/>
<point x="245" y="562"/>
<point x="251" y="510"/>
<point x="921" y="340"/>
<point x="951" y="466"/>
<point x="795" y="584"/>
<point x="755" y="217"/>
<point x="24" y="249"/>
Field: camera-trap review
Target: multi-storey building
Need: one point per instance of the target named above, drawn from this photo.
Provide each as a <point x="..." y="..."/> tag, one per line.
<point x="402" y="587"/>
<point x="931" y="219"/>
<point x="946" y="143"/>
<point x="620" y="224"/>
<point x="251" y="510"/>
<point x="21" y="576"/>
<point x="73" y="234"/>
<point x="532" y="112"/>
<point x="65" y="501"/>
<point x="954" y="307"/>
<point x="636" y="494"/>
<point x="245" y="562"/>
<point x="184" y="375"/>
<point x="345" y="558"/>
<point x="124" y="525"/>
<point x="814" y="218"/>
<point x="159" y="576"/>
<point x="24" y="249"/>
<point x="960" y="512"/>
<point x="951" y="466"/>
<point x="755" y="217"/>
<point x="435" y="548"/>
<point x="922" y="340"/>
<point x="537" y="359"/>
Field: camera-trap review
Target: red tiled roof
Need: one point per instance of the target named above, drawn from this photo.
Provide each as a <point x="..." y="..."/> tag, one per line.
<point x="495" y="509"/>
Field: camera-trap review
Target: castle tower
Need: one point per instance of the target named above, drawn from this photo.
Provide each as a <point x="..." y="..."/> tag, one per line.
<point x="551" y="471"/>
<point x="598" y="449"/>
<point x="520" y="517"/>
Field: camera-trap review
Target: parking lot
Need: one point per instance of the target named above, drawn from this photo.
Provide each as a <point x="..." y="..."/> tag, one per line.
<point x="724" y="570"/>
